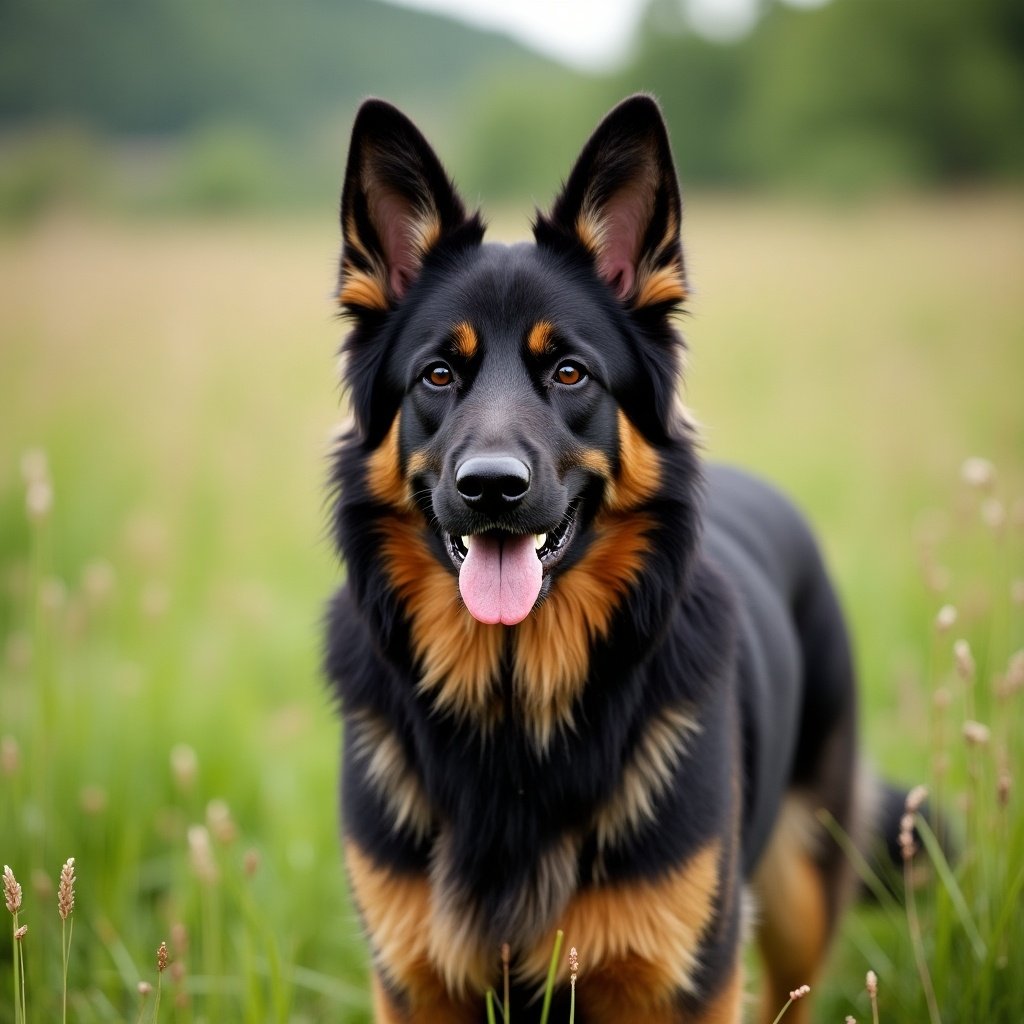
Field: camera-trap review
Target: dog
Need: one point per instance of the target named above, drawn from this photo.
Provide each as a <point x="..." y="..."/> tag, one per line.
<point x="588" y="683"/>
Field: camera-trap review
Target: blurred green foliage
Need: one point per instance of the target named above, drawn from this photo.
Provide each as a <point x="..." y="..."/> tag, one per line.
<point x="246" y="105"/>
<point x="167" y="66"/>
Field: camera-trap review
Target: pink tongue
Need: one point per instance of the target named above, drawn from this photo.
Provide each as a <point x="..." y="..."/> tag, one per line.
<point x="500" y="578"/>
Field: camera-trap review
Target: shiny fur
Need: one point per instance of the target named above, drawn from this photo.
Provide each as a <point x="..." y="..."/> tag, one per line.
<point x="652" y="742"/>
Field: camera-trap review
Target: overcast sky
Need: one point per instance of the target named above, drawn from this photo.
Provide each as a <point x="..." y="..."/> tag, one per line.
<point x="589" y="33"/>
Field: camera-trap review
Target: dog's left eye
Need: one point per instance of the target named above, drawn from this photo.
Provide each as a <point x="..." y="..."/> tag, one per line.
<point x="438" y="375"/>
<point x="570" y="373"/>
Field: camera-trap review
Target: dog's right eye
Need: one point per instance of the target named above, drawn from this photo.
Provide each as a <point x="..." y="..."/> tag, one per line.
<point x="438" y="376"/>
<point x="570" y="374"/>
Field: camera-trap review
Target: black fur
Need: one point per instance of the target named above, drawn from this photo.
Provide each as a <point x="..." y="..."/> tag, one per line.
<point x="725" y="611"/>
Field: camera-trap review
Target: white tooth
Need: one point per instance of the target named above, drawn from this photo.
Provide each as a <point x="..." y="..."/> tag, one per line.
<point x="465" y="542"/>
<point x="539" y="540"/>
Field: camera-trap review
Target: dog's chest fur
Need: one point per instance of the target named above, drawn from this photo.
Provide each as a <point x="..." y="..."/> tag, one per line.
<point x="509" y="830"/>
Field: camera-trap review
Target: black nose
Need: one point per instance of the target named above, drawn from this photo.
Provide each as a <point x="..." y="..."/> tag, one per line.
<point x="493" y="484"/>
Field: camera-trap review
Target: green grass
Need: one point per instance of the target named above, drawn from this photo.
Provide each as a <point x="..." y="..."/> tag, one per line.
<point x="159" y="625"/>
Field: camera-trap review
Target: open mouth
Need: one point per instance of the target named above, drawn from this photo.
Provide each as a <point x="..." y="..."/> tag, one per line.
<point x="549" y="547"/>
<point x="501" y="573"/>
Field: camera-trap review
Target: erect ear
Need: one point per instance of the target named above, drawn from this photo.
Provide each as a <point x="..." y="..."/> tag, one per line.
<point x="622" y="204"/>
<point x="397" y="205"/>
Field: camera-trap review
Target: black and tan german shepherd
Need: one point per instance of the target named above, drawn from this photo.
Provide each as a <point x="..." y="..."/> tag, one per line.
<point x="587" y="682"/>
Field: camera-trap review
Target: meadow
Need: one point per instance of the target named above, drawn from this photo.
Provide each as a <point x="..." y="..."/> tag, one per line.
<point x="168" y="389"/>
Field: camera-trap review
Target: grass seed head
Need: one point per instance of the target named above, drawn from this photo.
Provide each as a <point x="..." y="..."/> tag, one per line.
<point x="978" y="473"/>
<point x="184" y="766"/>
<point x="19" y="933"/>
<point x="976" y="734"/>
<point x="871" y="984"/>
<point x="35" y="470"/>
<point x="144" y="988"/>
<point x="220" y="823"/>
<point x="799" y="993"/>
<point x="945" y="618"/>
<point x="204" y="864"/>
<point x="39" y="499"/>
<point x="964" y="660"/>
<point x="574" y="965"/>
<point x="906" y="837"/>
<point x="161" y="958"/>
<point x="12" y="891"/>
<point x="66" y="889"/>
<point x="915" y="798"/>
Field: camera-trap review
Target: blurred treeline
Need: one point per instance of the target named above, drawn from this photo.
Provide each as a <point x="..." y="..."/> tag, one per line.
<point x="236" y="104"/>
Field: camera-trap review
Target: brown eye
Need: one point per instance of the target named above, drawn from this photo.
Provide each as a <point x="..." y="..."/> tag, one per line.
<point x="440" y="376"/>
<point x="568" y="373"/>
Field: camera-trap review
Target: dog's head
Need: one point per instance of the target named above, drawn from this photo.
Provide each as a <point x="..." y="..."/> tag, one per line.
<point x="513" y="404"/>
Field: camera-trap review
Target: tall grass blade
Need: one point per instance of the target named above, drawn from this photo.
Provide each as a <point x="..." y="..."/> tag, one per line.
<point x="938" y="858"/>
<point x="65" y="944"/>
<point x="864" y="871"/>
<point x="917" y="943"/>
<point x="549" y="989"/>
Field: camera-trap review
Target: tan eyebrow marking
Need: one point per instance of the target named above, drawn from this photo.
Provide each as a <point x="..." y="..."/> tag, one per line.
<point x="540" y="340"/>
<point x="465" y="339"/>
